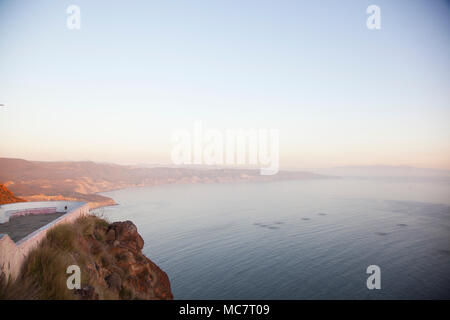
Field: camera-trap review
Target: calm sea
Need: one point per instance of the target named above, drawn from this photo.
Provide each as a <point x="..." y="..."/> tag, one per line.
<point x="310" y="239"/>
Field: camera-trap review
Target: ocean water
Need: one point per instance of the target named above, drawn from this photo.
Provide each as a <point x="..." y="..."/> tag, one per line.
<point x="307" y="239"/>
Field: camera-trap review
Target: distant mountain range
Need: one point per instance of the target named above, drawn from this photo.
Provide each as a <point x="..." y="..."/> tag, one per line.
<point x="80" y="181"/>
<point x="384" y="171"/>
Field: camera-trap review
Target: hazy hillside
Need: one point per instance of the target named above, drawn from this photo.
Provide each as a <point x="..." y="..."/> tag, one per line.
<point x="383" y="171"/>
<point x="36" y="180"/>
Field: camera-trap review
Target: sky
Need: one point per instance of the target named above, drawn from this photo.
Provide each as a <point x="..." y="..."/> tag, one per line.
<point x="115" y="90"/>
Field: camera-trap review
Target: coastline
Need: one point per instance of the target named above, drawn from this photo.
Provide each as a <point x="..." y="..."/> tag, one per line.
<point x="95" y="205"/>
<point x="84" y="181"/>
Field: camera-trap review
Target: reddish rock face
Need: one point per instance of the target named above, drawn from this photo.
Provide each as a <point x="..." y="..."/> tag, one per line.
<point x="7" y="196"/>
<point x="121" y="266"/>
<point x="126" y="233"/>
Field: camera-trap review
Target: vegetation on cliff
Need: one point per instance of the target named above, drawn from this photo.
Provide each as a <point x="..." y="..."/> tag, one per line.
<point x="110" y="259"/>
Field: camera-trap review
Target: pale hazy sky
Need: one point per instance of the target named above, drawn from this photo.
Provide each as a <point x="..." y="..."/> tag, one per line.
<point x="115" y="90"/>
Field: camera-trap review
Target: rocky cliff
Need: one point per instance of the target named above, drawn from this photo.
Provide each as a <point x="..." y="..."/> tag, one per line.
<point x="110" y="259"/>
<point x="123" y="268"/>
<point x="7" y="196"/>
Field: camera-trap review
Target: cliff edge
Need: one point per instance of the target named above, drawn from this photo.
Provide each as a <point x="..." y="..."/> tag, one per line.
<point x="110" y="258"/>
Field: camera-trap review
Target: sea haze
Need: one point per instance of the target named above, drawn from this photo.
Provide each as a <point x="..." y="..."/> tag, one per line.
<point x="307" y="239"/>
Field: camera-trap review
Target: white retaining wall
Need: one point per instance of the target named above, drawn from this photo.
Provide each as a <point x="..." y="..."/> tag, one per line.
<point x="6" y="210"/>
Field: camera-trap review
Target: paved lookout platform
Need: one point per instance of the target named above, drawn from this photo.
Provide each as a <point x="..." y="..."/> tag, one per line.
<point x="23" y="225"/>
